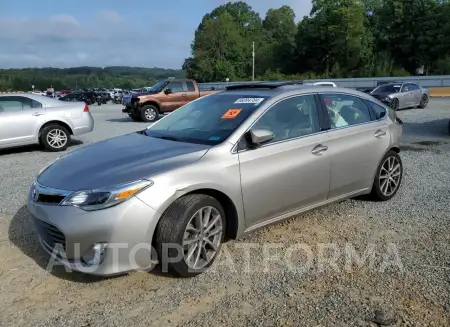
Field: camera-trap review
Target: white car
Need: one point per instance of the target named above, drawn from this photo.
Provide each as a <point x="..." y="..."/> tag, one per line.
<point x="29" y="118"/>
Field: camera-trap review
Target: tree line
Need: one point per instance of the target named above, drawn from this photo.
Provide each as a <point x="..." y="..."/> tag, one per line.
<point x="83" y="77"/>
<point x="346" y="38"/>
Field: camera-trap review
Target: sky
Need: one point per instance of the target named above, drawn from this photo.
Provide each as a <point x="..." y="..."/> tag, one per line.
<point x="140" y="33"/>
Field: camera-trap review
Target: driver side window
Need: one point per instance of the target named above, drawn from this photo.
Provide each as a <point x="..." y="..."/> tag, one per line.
<point x="291" y="118"/>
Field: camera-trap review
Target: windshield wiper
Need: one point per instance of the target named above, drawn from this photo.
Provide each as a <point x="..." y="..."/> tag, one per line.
<point x="169" y="138"/>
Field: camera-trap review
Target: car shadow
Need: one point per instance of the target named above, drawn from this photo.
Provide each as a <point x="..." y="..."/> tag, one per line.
<point x="22" y="234"/>
<point x="33" y="148"/>
<point x="435" y="128"/>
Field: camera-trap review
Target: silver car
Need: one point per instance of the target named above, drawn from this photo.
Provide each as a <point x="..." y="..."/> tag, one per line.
<point x="30" y="118"/>
<point x="402" y="95"/>
<point x="215" y="169"/>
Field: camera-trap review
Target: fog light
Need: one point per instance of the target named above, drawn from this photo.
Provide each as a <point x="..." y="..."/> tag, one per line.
<point x="96" y="254"/>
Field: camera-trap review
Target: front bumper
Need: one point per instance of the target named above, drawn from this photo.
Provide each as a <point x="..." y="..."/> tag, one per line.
<point x="127" y="229"/>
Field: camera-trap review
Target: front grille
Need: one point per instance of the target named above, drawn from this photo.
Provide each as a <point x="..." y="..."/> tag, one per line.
<point x="50" y="199"/>
<point x="50" y="234"/>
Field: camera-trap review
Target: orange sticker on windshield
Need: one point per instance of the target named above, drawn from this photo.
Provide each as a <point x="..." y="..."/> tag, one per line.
<point x="231" y="113"/>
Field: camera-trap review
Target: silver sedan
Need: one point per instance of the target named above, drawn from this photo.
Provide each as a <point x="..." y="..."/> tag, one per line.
<point x="402" y="95"/>
<point x="35" y="119"/>
<point x="217" y="168"/>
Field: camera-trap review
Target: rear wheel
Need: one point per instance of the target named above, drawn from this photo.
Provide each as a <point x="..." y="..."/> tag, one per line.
<point x="423" y="101"/>
<point x="388" y="178"/>
<point x="149" y="113"/>
<point x="193" y="228"/>
<point x="55" y="138"/>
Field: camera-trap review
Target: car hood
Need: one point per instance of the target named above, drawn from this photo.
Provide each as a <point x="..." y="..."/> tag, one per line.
<point x="381" y="95"/>
<point x="119" y="160"/>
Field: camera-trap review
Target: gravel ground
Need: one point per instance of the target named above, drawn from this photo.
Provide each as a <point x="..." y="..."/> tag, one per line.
<point x="408" y="283"/>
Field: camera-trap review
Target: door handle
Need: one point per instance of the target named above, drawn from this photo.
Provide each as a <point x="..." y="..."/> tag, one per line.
<point x="184" y="95"/>
<point x="380" y="133"/>
<point x="36" y="114"/>
<point x="319" y="149"/>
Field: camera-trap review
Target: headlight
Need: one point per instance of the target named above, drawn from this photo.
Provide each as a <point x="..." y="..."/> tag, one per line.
<point x="387" y="99"/>
<point x="105" y="197"/>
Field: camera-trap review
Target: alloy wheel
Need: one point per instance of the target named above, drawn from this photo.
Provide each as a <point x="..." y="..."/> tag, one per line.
<point x="56" y="138"/>
<point x="150" y="114"/>
<point x="390" y="174"/>
<point x="202" y="237"/>
<point x="395" y="104"/>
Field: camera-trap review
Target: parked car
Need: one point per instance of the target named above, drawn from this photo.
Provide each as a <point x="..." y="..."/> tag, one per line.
<point x="73" y="97"/>
<point x="215" y="169"/>
<point x="402" y="95"/>
<point x="28" y="119"/>
<point x="164" y="97"/>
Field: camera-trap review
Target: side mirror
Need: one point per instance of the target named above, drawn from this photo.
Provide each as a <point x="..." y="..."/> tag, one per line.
<point x="257" y="137"/>
<point x="168" y="91"/>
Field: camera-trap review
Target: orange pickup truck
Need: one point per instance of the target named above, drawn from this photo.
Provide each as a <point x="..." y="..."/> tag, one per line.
<point x="163" y="97"/>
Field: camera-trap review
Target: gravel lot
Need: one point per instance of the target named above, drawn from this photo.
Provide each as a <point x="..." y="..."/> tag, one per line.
<point x="413" y="291"/>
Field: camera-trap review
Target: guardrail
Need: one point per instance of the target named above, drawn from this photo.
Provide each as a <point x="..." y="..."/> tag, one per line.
<point x="425" y="81"/>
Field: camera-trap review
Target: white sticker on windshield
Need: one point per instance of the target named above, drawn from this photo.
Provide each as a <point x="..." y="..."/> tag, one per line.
<point x="249" y="100"/>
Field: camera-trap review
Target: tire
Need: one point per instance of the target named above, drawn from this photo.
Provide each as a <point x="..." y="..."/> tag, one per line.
<point x="423" y="101"/>
<point x="173" y="229"/>
<point x="378" y="193"/>
<point x="449" y="127"/>
<point x="134" y="117"/>
<point x="394" y="104"/>
<point x="149" y="113"/>
<point x="48" y="135"/>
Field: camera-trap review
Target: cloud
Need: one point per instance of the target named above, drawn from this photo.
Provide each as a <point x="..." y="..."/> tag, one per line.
<point x="109" y="38"/>
<point x="62" y="41"/>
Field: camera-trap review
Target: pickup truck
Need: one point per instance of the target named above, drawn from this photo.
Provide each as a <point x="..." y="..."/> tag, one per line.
<point x="163" y="97"/>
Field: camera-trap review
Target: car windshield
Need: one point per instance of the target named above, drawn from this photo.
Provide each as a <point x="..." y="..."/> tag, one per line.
<point x="391" y="88"/>
<point x="158" y="87"/>
<point x="209" y="120"/>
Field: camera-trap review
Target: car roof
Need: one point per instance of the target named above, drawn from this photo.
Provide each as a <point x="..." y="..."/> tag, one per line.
<point x="292" y="90"/>
<point x="49" y="102"/>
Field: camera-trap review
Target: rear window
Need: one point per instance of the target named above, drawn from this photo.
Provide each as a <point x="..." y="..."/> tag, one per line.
<point x="209" y="120"/>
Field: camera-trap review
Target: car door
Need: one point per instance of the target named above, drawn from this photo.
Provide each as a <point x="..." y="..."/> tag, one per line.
<point x="406" y="97"/>
<point x="416" y="94"/>
<point x="176" y="98"/>
<point x="192" y="93"/>
<point x="358" y="141"/>
<point x="290" y="172"/>
<point x="20" y="118"/>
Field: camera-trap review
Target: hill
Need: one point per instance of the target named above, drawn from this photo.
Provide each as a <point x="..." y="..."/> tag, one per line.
<point x="79" y="77"/>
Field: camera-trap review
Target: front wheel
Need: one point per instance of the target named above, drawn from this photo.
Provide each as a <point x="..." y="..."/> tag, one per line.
<point x="423" y="101"/>
<point x="55" y="138"/>
<point x="388" y="178"/>
<point x="394" y="104"/>
<point x="149" y="113"/>
<point x="190" y="234"/>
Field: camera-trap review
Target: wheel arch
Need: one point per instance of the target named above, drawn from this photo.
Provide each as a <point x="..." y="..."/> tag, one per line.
<point x="231" y="212"/>
<point x="151" y="103"/>
<point x="55" y="122"/>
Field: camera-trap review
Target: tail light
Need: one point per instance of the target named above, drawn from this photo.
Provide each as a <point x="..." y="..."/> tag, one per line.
<point x="86" y="108"/>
